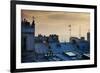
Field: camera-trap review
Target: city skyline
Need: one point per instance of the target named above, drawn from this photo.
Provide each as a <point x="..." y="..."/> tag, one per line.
<point x="52" y="22"/>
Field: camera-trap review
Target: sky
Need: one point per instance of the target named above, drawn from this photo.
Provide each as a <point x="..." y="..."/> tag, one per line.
<point x="57" y="22"/>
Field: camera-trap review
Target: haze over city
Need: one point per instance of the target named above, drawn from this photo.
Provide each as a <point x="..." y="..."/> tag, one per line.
<point x="60" y="23"/>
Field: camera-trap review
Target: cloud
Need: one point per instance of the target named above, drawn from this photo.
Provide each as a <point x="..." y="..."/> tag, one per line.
<point x="69" y="16"/>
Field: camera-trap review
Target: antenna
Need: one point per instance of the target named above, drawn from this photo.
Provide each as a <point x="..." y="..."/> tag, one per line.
<point x="69" y="30"/>
<point x="33" y="17"/>
<point x="80" y="30"/>
<point x="65" y="34"/>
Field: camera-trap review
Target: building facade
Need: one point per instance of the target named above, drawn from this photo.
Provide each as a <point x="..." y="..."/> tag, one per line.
<point x="27" y="35"/>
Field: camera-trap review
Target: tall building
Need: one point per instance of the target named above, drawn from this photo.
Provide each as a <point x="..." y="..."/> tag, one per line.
<point x="88" y="36"/>
<point x="27" y="35"/>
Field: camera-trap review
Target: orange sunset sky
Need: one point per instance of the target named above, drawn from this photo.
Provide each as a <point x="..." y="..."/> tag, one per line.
<point x="52" y="22"/>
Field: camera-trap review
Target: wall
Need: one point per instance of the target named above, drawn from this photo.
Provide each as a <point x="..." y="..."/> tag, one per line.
<point x="5" y="37"/>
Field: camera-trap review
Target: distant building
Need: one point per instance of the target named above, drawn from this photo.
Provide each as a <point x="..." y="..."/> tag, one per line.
<point x="88" y="36"/>
<point x="74" y="40"/>
<point x="49" y="39"/>
<point x="82" y="38"/>
<point x="27" y="35"/>
<point x="81" y="44"/>
<point x="53" y="38"/>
